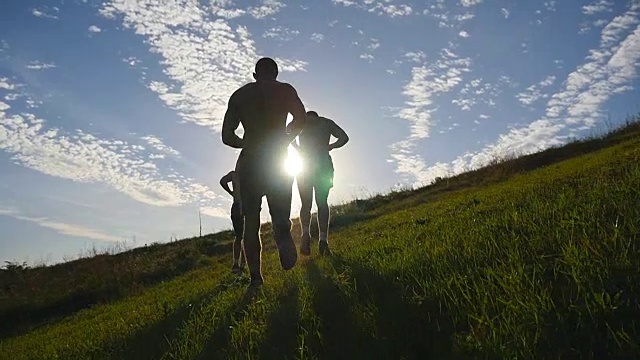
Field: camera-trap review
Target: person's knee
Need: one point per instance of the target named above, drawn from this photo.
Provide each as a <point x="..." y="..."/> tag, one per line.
<point x="251" y="224"/>
<point x="282" y="224"/>
<point x="322" y="204"/>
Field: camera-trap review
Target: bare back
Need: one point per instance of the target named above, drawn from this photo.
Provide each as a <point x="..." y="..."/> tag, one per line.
<point x="262" y="108"/>
<point x="314" y="139"/>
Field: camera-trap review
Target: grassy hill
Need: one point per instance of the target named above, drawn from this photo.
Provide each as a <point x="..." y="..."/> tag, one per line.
<point x="535" y="257"/>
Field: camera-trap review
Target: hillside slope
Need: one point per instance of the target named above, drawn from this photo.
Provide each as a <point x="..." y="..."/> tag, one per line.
<point x="537" y="257"/>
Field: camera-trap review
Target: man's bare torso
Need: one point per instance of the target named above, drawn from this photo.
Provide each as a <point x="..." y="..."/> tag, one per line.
<point x="262" y="107"/>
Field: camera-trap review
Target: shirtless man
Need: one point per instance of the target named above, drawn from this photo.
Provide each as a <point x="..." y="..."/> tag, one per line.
<point x="237" y="219"/>
<point x="262" y="108"/>
<point x="314" y="148"/>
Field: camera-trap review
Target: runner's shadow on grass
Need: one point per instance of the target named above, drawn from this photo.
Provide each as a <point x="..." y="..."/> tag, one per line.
<point x="283" y="327"/>
<point x="402" y="329"/>
<point x="153" y="342"/>
<point x="339" y="336"/>
<point x="221" y="336"/>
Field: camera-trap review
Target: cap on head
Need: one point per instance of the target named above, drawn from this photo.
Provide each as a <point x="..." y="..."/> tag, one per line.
<point x="312" y="113"/>
<point x="266" y="68"/>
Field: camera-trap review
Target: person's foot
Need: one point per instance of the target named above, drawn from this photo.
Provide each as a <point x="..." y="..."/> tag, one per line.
<point x="256" y="282"/>
<point x="288" y="253"/>
<point x="236" y="269"/>
<point x="305" y="245"/>
<point x="323" y="246"/>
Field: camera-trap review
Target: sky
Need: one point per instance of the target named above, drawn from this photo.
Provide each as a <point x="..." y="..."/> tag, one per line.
<point x="111" y="110"/>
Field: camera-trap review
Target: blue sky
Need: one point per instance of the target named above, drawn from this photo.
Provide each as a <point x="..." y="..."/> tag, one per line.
<point x="111" y="111"/>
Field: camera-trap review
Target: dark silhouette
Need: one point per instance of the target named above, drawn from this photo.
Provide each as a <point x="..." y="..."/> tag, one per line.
<point x="314" y="147"/>
<point x="262" y="108"/>
<point x="237" y="219"/>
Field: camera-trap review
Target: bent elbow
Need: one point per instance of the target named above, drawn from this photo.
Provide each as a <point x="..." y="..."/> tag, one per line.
<point x="226" y="138"/>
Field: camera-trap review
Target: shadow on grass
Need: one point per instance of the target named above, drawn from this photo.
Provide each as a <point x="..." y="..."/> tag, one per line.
<point x="402" y="330"/>
<point x="282" y="332"/>
<point x="214" y="348"/>
<point x="153" y="342"/>
<point x="339" y="335"/>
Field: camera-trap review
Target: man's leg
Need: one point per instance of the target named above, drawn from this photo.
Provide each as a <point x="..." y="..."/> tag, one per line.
<point x="251" y="200"/>
<point x="238" y="227"/>
<point x="306" y="198"/>
<point x="253" y="246"/>
<point x="322" y="188"/>
<point x="279" y="200"/>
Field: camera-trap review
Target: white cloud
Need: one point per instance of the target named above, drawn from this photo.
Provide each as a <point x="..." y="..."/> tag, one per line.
<point x="608" y="70"/>
<point x="226" y="9"/>
<point x="380" y="7"/>
<point x="428" y="81"/>
<point x="131" y="61"/>
<point x="158" y="145"/>
<point x="94" y="29"/>
<point x="417" y="57"/>
<point x="291" y="65"/>
<point x="476" y="91"/>
<point x="534" y="92"/>
<point x="463" y="34"/>
<point x="467" y="3"/>
<point x="464" y="17"/>
<point x="5" y="84"/>
<point x="375" y="43"/>
<point x="215" y="212"/>
<point x="597" y="7"/>
<point x="37" y="65"/>
<point x="393" y="10"/>
<point x="550" y="5"/>
<point x="267" y="8"/>
<point x="280" y="33"/>
<point x="45" y="12"/>
<point x="62" y="228"/>
<point x="204" y="58"/>
<point x="367" y="57"/>
<point x="505" y="13"/>
<point x="85" y="158"/>
<point x="317" y="37"/>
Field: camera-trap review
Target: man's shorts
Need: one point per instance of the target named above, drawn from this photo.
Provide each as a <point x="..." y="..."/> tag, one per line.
<point x="317" y="173"/>
<point x="264" y="175"/>
<point x="237" y="219"/>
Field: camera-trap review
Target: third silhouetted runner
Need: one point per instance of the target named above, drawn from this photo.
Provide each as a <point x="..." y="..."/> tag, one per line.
<point x="237" y="219"/>
<point x="317" y="175"/>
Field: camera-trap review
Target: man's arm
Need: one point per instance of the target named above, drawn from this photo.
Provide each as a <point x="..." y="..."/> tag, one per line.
<point x="291" y="137"/>
<point x="224" y="182"/>
<point x="230" y="124"/>
<point x="296" y="108"/>
<point x="340" y="134"/>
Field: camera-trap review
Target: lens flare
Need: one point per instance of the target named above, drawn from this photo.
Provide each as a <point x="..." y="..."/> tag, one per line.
<point x="293" y="163"/>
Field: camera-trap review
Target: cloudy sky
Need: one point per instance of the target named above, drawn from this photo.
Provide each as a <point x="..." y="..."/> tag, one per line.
<point x="111" y="110"/>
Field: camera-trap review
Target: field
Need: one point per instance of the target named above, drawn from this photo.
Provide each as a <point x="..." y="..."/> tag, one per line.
<point x="534" y="257"/>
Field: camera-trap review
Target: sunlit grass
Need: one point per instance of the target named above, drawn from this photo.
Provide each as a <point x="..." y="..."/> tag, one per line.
<point x="545" y="264"/>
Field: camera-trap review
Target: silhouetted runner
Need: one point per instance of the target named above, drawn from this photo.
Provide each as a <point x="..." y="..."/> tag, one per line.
<point x="237" y="219"/>
<point x="317" y="174"/>
<point x="262" y="108"/>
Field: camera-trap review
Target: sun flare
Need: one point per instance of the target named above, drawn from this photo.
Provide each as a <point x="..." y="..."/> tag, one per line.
<point x="293" y="163"/>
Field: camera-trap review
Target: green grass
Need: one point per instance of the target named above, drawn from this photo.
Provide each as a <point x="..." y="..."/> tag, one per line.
<point x="537" y="257"/>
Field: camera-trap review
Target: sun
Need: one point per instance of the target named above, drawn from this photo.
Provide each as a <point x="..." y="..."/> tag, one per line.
<point x="293" y="163"/>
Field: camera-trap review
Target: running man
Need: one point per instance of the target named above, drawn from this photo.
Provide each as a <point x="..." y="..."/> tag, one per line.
<point x="262" y="108"/>
<point x="314" y="148"/>
<point x="236" y="219"/>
